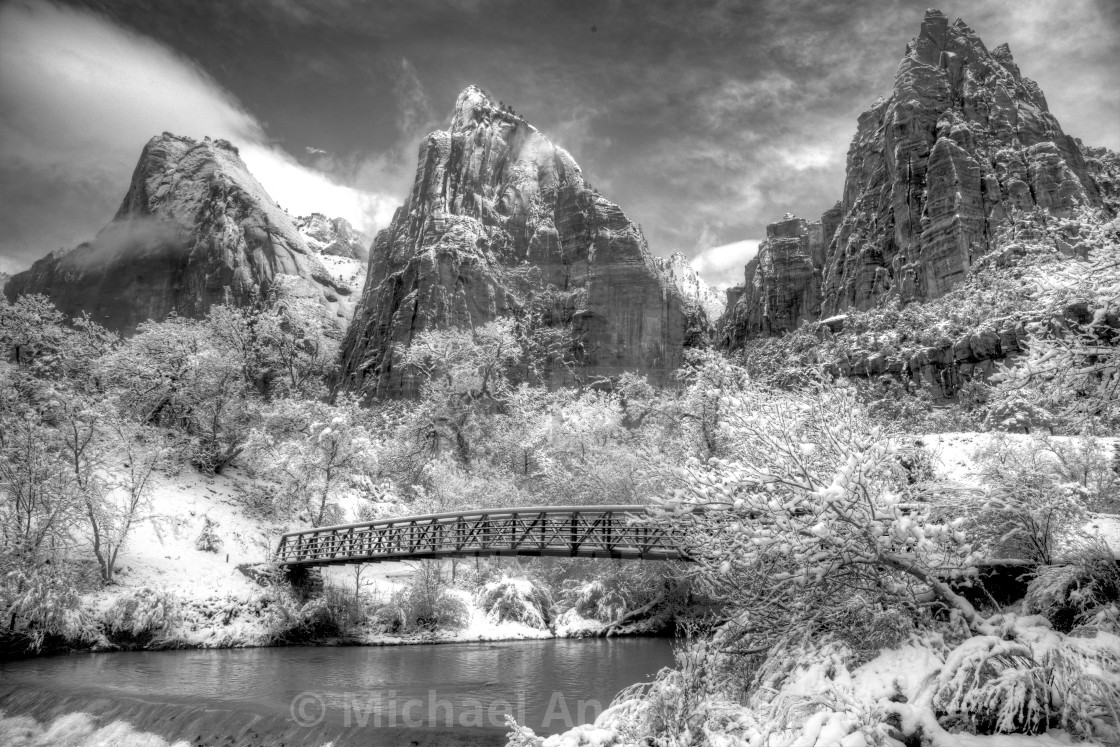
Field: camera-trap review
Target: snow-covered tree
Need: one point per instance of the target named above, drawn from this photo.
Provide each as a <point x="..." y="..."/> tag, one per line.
<point x="463" y="374"/>
<point x="318" y="451"/>
<point x="1025" y="507"/>
<point x="805" y="511"/>
<point x="179" y="374"/>
<point x="280" y="341"/>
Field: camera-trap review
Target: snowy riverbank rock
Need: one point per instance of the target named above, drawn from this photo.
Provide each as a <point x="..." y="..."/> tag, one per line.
<point x="195" y="230"/>
<point x="500" y="222"/>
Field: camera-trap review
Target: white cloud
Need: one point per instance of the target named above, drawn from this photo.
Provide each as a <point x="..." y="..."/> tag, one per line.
<point x="301" y="190"/>
<point x="722" y="266"/>
<point x="79" y="98"/>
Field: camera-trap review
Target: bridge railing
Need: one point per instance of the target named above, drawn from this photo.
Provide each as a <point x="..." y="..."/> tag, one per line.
<point x="559" y="531"/>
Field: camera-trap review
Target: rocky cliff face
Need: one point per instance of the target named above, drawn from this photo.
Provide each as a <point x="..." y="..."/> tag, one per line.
<point x="962" y="142"/>
<point x="782" y="284"/>
<point x="194" y="230"/>
<point x="501" y="223"/>
<point x="1104" y="166"/>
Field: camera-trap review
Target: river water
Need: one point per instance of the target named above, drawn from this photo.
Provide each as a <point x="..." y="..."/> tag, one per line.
<point x="393" y="695"/>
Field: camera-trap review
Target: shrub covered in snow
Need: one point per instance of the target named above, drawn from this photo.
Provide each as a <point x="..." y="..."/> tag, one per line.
<point x="1031" y="678"/>
<point x="595" y="599"/>
<point x="516" y="600"/>
<point x="1083" y="591"/>
<point x="989" y="685"/>
<point x="1029" y="506"/>
<point x="208" y="539"/>
<point x="428" y="603"/>
<point x="42" y="602"/>
<point x="144" y="616"/>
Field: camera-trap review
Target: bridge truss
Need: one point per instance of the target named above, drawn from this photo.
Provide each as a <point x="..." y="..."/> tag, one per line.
<point x="557" y="531"/>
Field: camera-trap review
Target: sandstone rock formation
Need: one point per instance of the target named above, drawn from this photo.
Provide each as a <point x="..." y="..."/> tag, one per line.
<point x="963" y="141"/>
<point x="194" y="230"/>
<point x="501" y="223"/>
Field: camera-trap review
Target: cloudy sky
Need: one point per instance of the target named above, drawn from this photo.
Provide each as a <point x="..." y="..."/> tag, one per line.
<point x="704" y="120"/>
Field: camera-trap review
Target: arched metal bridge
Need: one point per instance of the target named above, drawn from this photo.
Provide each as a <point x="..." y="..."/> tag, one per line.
<point x="557" y="531"/>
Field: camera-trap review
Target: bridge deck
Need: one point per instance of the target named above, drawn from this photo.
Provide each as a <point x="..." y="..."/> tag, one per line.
<point x="558" y="531"/>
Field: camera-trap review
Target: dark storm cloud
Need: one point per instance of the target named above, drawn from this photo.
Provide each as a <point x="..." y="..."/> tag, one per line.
<point x="704" y="120"/>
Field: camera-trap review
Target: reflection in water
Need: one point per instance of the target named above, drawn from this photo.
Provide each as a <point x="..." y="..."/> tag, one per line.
<point x="548" y="685"/>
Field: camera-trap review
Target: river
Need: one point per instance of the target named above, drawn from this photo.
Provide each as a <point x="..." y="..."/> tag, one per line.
<point x="394" y="695"/>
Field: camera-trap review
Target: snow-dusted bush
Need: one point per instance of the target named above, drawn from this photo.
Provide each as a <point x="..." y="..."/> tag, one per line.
<point x="428" y="603"/>
<point x="868" y="626"/>
<point x="1018" y="415"/>
<point x="684" y="704"/>
<point x="1028" y="507"/>
<point x="181" y="374"/>
<point x="344" y="609"/>
<point x="1085" y="590"/>
<point x="812" y="691"/>
<point x="208" y="539"/>
<point x="595" y="599"/>
<point x="516" y="600"/>
<point x="41" y="602"/>
<point x="1031" y="678"/>
<point x="288" y="619"/>
<point x="387" y="617"/>
<point x="336" y="612"/>
<point x="990" y="685"/>
<point x="145" y="615"/>
<point x="1095" y="465"/>
<point x="1083" y="678"/>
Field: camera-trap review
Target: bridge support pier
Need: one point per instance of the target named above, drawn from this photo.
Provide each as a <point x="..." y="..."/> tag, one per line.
<point x="305" y="581"/>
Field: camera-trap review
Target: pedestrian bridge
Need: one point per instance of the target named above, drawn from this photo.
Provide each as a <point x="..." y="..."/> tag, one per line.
<point x="556" y="531"/>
